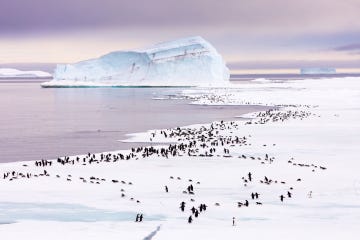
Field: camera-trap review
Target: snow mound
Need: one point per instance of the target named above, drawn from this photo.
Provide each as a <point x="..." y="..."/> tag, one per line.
<point x="184" y="62"/>
<point x="15" y="73"/>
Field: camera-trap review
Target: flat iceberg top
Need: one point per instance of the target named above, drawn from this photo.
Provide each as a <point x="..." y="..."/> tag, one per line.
<point x="184" y="62"/>
<point x="15" y="73"/>
<point x="190" y="45"/>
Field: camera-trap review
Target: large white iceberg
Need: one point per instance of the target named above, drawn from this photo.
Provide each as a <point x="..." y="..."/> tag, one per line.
<point x="184" y="62"/>
<point x="15" y="73"/>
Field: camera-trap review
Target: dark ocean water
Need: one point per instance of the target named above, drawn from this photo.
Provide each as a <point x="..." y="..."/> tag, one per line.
<point x="46" y="123"/>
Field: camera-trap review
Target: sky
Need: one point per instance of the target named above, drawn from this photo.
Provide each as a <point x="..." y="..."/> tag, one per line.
<point x="250" y="34"/>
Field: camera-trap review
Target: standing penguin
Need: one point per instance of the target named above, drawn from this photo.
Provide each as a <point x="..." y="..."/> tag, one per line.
<point x="289" y="194"/>
<point x="310" y="194"/>
<point x="204" y="207"/>
<point x="249" y="175"/>
<point x="182" y="206"/>
<point x="196" y="213"/>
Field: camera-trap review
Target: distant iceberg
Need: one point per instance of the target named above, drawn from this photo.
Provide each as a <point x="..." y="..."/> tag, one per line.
<point x="15" y="73"/>
<point x="184" y="62"/>
<point x="317" y="71"/>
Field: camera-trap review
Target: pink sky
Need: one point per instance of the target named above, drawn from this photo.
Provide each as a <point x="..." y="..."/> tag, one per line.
<point x="248" y="33"/>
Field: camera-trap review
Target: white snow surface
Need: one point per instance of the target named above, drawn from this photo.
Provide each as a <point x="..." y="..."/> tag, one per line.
<point x="15" y="73"/>
<point x="184" y="62"/>
<point x="54" y="208"/>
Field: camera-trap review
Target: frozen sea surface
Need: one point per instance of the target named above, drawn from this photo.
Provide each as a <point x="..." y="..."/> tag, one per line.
<point x="324" y="203"/>
<point x="12" y="212"/>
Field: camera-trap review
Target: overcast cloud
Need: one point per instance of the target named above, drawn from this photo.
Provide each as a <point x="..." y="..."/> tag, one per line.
<point x="302" y="29"/>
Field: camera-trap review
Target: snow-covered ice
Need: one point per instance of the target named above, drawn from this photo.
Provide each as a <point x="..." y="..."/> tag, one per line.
<point x="15" y="73"/>
<point x="317" y="152"/>
<point x="184" y="62"/>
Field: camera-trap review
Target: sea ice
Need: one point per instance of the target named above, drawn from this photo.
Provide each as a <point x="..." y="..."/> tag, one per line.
<point x="15" y="73"/>
<point x="328" y="137"/>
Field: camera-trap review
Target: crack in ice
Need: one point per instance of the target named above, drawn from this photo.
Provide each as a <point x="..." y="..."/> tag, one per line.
<point x="153" y="233"/>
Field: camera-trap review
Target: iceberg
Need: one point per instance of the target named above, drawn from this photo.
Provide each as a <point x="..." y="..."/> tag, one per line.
<point x="15" y="73"/>
<point x="317" y="71"/>
<point x="184" y="62"/>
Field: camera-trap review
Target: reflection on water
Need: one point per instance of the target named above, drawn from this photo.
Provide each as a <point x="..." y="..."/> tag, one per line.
<point x="46" y="123"/>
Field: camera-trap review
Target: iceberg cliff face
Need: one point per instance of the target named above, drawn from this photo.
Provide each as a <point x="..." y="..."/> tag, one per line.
<point x="184" y="62"/>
